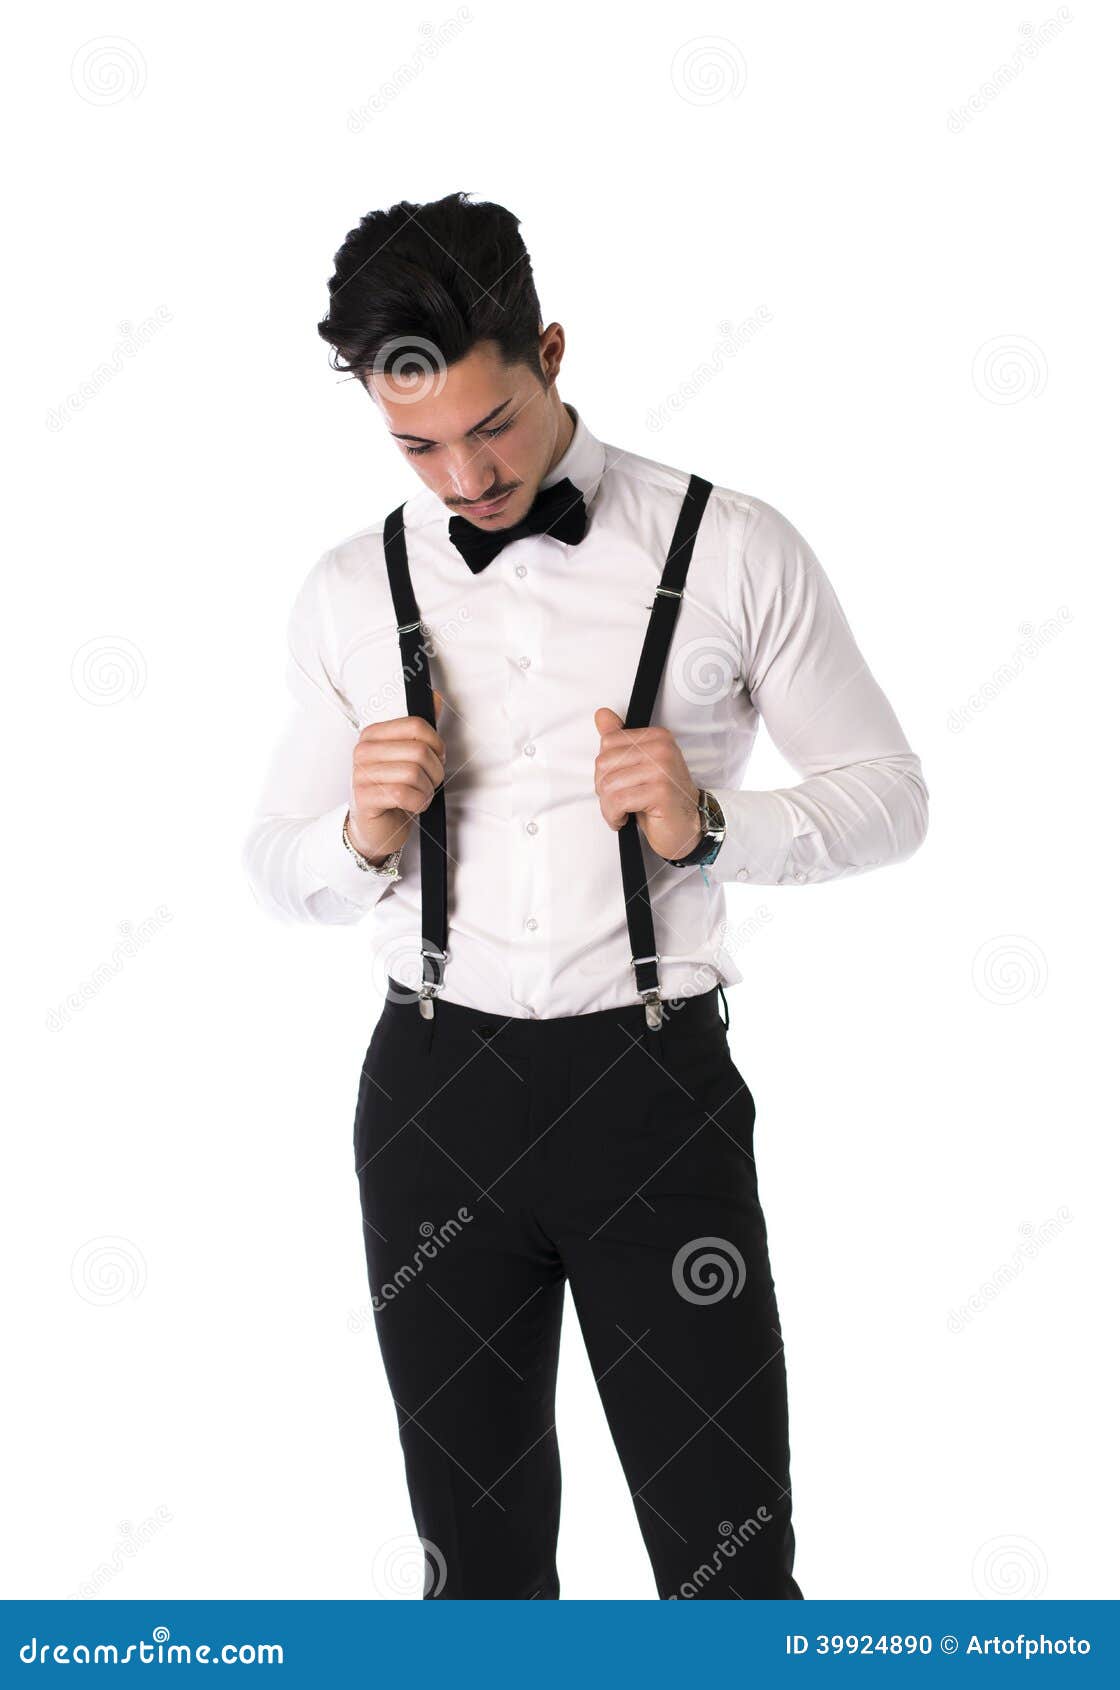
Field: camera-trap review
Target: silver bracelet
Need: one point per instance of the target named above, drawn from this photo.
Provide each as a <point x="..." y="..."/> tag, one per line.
<point x="389" y="868"/>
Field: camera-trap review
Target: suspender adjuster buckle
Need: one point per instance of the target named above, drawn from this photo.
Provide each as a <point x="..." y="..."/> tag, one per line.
<point x="669" y="592"/>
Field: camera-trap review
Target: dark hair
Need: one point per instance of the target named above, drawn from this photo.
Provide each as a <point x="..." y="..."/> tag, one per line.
<point x="441" y="276"/>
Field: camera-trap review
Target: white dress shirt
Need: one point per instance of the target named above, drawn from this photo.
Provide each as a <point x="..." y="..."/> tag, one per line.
<point x="524" y="653"/>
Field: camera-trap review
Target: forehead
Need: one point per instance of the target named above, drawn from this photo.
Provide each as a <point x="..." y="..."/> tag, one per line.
<point x="421" y="395"/>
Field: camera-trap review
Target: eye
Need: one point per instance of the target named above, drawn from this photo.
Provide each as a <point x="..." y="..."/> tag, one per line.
<point x="484" y="434"/>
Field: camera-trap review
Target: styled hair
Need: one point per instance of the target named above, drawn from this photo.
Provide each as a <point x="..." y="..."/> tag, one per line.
<point x="418" y="283"/>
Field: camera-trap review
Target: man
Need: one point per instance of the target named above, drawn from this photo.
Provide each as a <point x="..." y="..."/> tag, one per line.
<point x="523" y="706"/>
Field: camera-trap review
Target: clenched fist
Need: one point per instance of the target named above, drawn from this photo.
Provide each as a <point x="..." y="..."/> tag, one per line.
<point x="397" y="767"/>
<point x="642" y="771"/>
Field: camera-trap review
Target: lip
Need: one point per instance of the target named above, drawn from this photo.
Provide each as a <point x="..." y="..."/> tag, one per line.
<point x="491" y="509"/>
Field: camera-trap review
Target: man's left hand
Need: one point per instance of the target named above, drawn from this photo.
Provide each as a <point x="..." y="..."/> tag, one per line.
<point x="642" y="772"/>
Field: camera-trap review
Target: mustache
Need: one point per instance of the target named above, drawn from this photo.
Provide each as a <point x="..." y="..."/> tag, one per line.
<point x="487" y="499"/>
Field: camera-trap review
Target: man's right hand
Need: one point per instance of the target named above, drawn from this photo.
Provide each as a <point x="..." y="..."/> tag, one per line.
<point x="397" y="767"/>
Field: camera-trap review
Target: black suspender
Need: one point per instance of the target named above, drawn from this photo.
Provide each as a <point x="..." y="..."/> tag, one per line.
<point x="433" y="821"/>
<point x="647" y="681"/>
<point x="651" y="666"/>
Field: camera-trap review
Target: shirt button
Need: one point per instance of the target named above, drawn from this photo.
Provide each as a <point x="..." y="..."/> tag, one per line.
<point x="531" y="827"/>
<point x="521" y="570"/>
<point x="529" y="750"/>
<point x="799" y="875"/>
<point x="743" y="874"/>
<point x="531" y="924"/>
<point x="524" y="662"/>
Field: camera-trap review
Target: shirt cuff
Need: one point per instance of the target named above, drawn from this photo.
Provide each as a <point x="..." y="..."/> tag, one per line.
<point x="760" y="831"/>
<point x="329" y="864"/>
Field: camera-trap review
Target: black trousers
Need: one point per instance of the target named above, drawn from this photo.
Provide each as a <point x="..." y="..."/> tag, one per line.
<point x="497" y="1160"/>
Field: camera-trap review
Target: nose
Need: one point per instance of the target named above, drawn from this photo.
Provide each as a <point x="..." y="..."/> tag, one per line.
<point x="471" y="476"/>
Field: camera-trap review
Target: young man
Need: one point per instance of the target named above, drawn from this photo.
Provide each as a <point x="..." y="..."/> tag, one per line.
<point x="524" y="704"/>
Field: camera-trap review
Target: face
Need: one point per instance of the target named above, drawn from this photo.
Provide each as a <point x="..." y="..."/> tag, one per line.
<point x="481" y="434"/>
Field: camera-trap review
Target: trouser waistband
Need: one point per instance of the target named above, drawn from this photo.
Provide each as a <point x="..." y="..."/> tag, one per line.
<point x="695" y="1012"/>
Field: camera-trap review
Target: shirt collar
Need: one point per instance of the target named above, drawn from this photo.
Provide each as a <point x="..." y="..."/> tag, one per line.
<point x="583" y="462"/>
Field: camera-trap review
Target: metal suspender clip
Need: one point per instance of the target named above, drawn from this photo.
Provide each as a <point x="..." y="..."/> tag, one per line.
<point x="429" y="988"/>
<point x="652" y="1001"/>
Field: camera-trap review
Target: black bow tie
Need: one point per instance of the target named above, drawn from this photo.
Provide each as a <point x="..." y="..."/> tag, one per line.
<point x="558" y="510"/>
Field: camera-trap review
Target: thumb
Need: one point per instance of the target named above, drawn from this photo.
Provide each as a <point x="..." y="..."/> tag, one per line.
<point x="437" y="701"/>
<point x="606" y="720"/>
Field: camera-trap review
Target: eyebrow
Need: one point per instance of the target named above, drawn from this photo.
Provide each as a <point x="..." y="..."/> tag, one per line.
<point x="422" y="439"/>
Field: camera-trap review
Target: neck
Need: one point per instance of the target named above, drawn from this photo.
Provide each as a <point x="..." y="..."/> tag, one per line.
<point x="565" y="428"/>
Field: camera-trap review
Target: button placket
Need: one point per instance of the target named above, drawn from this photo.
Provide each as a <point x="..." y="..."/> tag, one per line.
<point x="521" y="633"/>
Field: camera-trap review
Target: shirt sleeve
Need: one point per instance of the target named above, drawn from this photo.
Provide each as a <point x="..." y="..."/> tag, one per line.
<point x="293" y="853"/>
<point x="862" y="801"/>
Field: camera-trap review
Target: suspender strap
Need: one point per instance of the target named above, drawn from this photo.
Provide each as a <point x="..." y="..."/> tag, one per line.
<point x="651" y="666"/>
<point x="432" y="821"/>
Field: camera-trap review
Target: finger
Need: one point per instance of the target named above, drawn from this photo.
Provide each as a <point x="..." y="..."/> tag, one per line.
<point x="633" y="796"/>
<point x="378" y="796"/>
<point x="607" y="720"/>
<point x="406" y="728"/>
<point x="611" y="814"/>
<point x="376" y="759"/>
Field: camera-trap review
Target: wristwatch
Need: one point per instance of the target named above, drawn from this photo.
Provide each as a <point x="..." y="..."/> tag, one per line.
<point x="389" y="868"/>
<point x="713" y="828"/>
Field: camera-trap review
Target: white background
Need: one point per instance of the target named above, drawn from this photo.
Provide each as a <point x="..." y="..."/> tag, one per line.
<point x="931" y="1047"/>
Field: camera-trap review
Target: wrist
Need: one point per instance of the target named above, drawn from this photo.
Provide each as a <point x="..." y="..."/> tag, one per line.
<point x="376" y="857"/>
<point x="709" y="834"/>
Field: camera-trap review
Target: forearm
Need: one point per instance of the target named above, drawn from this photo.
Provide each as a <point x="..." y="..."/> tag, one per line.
<point x="862" y="816"/>
<point x="300" y="870"/>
